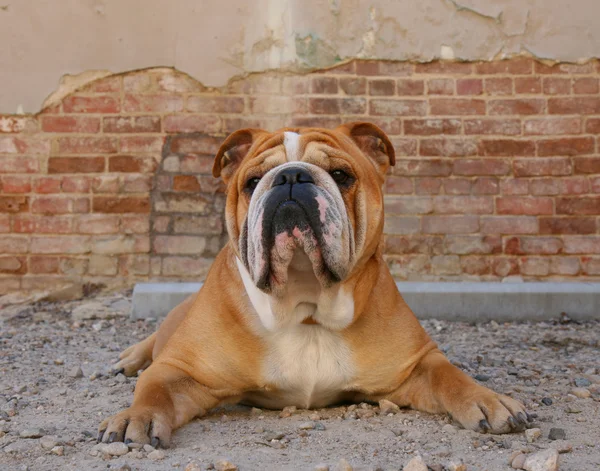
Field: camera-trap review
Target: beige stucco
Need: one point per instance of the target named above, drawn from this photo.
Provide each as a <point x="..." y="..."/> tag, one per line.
<point x="214" y="40"/>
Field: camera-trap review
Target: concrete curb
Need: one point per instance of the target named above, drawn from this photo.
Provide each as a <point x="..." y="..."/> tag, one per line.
<point x="472" y="302"/>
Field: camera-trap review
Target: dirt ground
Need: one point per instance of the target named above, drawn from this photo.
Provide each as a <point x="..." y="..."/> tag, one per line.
<point x="55" y="389"/>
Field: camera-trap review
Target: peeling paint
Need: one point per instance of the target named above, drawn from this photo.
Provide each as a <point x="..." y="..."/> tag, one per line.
<point x="69" y="83"/>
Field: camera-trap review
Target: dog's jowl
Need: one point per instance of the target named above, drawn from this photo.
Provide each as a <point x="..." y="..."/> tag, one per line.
<point x="299" y="308"/>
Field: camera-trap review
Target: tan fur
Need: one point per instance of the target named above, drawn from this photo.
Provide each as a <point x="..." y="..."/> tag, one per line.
<point x="211" y="349"/>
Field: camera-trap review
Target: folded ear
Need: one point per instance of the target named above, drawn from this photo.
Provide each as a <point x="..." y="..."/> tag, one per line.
<point x="233" y="150"/>
<point x="373" y="142"/>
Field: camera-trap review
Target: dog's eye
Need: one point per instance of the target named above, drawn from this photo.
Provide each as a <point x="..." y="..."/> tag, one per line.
<point x="252" y="183"/>
<point x="339" y="176"/>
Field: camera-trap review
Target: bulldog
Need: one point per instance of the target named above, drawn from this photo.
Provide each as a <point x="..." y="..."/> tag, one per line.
<point x="299" y="308"/>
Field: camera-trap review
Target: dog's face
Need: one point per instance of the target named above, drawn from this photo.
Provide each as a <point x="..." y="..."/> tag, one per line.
<point x="304" y="197"/>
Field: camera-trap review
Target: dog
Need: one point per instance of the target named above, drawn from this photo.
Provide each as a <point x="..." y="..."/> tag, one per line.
<point x="299" y="308"/>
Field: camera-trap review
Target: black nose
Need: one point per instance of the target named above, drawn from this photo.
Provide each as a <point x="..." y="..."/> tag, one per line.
<point x="292" y="176"/>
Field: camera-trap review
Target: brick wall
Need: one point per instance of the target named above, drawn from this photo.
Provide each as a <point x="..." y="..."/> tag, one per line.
<point x="497" y="175"/>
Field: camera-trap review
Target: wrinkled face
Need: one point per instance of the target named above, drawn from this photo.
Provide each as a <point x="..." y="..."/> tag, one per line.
<point x="299" y="200"/>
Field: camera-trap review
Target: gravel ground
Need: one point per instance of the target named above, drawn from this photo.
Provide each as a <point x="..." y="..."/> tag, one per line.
<point x="55" y="389"/>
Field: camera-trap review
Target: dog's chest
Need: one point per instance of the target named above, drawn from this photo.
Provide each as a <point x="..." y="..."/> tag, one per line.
<point x="307" y="366"/>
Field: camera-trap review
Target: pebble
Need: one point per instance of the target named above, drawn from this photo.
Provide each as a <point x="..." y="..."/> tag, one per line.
<point x="116" y="449"/>
<point x="562" y="446"/>
<point x="58" y="450"/>
<point x="582" y="382"/>
<point x="271" y="435"/>
<point x="557" y="434"/>
<point x="314" y="416"/>
<point x="518" y="461"/>
<point x="307" y="426"/>
<point x="321" y="467"/>
<point x="193" y="466"/>
<point x="287" y="412"/>
<point x="581" y="393"/>
<point x="481" y="377"/>
<point x="415" y="464"/>
<point x="546" y="401"/>
<point x="532" y="434"/>
<point x="319" y="426"/>
<point x="545" y="460"/>
<point x="224" y="465"/>
<point x="449" y="429"/>
<point x="148" y="448"/>
<point x="156" y="455"/>
<point x="456" y="466"/>
<point x="343" y="465"/>
<point x="255" y="411"/>
<point x="32" y="433"/>
<point x="75" y="372"/>
<point x="48" y="442"/>
<point x="386" y="407"/>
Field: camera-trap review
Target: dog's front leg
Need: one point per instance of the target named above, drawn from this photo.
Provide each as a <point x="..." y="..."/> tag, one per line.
<point x="437" y="386"/>
<point x="165" y="398"/>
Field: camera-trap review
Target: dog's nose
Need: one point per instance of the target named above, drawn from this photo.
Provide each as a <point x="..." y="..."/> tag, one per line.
<point x="293" y="176"/>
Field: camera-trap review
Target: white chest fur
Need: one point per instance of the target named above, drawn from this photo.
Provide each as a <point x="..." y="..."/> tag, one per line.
<point x="309" y="366"/>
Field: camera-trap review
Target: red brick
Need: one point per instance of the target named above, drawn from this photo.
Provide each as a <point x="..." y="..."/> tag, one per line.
<point x="353" y="85"/>
<point x="395" y="68"/>
<point x="16" y="184"/>
<point x="544" y="186"/>
<point x="13" y="265"/>
<point x="16" y="124"/>
<point x="131" y="124"/>
<point x="445" y="265"/>
<point x="14" y="204"/>
<point x="590" y="265"/>
<point x="564" y="266"/>
<point x="595" y="182"/>
<point x="185" y="183"/>
<point x="577" y="106"/>
<point x="524" y="205"/>
<point x="574" y="185"/>
<point x="398" y="185"/>
<point x="567" y="225"/>
<point x="485" y="186"/>
<point x="564" y="68"/>
<point x="517" y="66"/>
<point x="469" y="86"/>
<point x="201" y="144"/>
<point x="507" y="127"/>
<point x="197" y="164"/>
<point x="97" y="224"/>
<point x="136" y="224"/>
<point x="13" y="244"/>
<point x="440" y="86"/>
<point x="76" y="164"/>
<point x="587" y="164"/>
<point x="139" y="82"/>
<point x="408" y="205"/>
<point x="514" y="186"/>
<point x="409" y="87"/>
<point x="552" y="126"/>
<point x="582" y="244"/>
<point x="578" y="205"/>
<point x="505" y="266"/>
<point x="401" y="224"/>
<point x="585" y="86"/>
<point x="192" y="123"/>
<point x="91" y="104"/>
<point x="215" y="104"/>
<point x="457" y="186"/>
<point x="176" y="82"/>
<point x="367" y="67"/>
<point x="450" y="224"/>
<point x="87" y="145"/>
<point x="566" y="146"/>
<point x="509" y="225"/>
<point x="463" y="204"/>
<point x="106" y="184"/>
<point x="528" y="85"/>
<point x="391" y="126"/>
<point x="477" y="266"/>
<point x="507" y="147"/>
<point x="447" y="147"/>
<point x="47" y="185"/>
<point x="541" y="167"/>
<point x="24" y="145"/>
<point x="498" y="86"/>
<point x="59" y="205"/>
<point x="411" y="244"/>
<point x="125" y="204"/>
<point x="522" y="106"/>
<point x="556" y="86"/>
<point x="535" y="266"/>
<point x="427" y="186"/>
<point x="41" y="264"/>
<point x="136" y="183"/>
<point x="314" y="121"/>
<point x="53" y="224"/>
<point x="75" y="184"/>
<point x="345" y="68"/>
<point x="104" y="85"/>
<point x="457" y="106"/>
<point x="142" y="144"/>
<point x="467" y="245"/>
<point x="20" y="164"/>
<point x="58" y="245"/>
<point x="337" y="105"/>
<point x="81" y="124"/>
<point x="428" y="127"/>
<point x="481" y="167"/>
<point x="444" y="67"/>
<point x="131" y="163"/>
<point x="382" y="87"/>
<point x="397" y="107"/>
<point x="163" y="103"/>
<point x="592" y="126"/>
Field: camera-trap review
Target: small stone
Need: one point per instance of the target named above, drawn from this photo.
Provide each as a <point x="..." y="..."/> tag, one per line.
<point x="193" y="466"/>
<point x="58" y="450"/>
<point x="481" y="377"/>
<point x="321" y="467"/>
<point x="125" y="467"/>
<point x="156" y="455"/>
<point x="135" y="446"/>
<point x="121" y="378"/>
<point x="546" y="401"/>
<point x="581" y="393"/>
<point x="518" y="461"/>
<point x="314" y="416"/>
<point x="386" y="407"/>
<point x="287" y="412"/>
<point x="148" y="448"/>
<point x="75" y="372"/>
<point x="307" y="426"/>
<point x="415" y="464"/>
<point x="116" y="449"/>
<point x="532" y="434"/>
<point x="255" y="411"/>
<point x="48" y="442"/>
<point x="545" y="460"/>
<point x="343" y="465"/>
<point x="557" y="434"/>
<point x="98" y="326"/>
<point x="582" y="382"/>
<point x="456" y="466"/>
<point x="319" y="426"/>
<point x="32" y="433"/>
<point x="573" y="409"/>
<point x="270" y="435"/>
<point x="224" y="465"/>
<point x="562" y="446"/>
<point x="449" y="429"/>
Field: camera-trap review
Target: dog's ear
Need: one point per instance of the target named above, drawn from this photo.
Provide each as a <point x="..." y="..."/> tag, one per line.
<point x="373" y="142"/>
<point x="233" y="150"/>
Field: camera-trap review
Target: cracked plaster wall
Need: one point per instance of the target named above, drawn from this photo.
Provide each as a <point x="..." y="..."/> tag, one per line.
<point x="215" y="40"/>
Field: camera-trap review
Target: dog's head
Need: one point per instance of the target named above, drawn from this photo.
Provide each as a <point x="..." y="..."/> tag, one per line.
<point x="304" y="196"/>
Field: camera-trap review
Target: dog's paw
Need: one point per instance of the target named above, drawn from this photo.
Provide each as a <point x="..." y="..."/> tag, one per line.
<point x="136" y="425"/>
<point x="131" y="360"/>
<point x="488" y="412"/>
